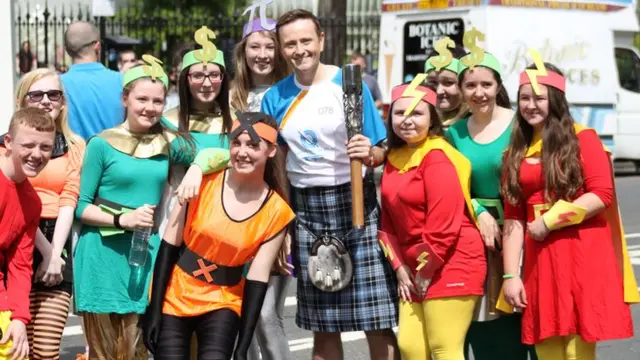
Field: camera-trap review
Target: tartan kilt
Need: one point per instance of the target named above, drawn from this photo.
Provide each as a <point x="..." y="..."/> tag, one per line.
<point x="369" y="302"/>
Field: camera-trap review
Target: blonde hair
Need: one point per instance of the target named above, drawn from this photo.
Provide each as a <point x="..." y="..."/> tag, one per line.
<point x="30" y="78"/>
<point x="242" y="82"/>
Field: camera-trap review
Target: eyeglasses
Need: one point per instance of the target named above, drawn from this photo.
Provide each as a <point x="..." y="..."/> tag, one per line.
<point x="198" y="77"/>
<point x="38" y="95"/>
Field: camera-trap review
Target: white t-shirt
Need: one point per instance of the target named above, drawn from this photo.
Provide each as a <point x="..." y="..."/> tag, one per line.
<point x="312" y="124"/>
<point x="254" y="99"/>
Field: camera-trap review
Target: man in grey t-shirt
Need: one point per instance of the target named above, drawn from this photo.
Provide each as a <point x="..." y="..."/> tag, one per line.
<point x="358" y="59"/>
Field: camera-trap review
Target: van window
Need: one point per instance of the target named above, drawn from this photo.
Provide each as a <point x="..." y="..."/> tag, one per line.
<point x="628" y="69"/>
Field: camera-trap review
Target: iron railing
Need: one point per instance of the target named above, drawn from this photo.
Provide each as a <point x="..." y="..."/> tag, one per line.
<point x="161" y="32"/>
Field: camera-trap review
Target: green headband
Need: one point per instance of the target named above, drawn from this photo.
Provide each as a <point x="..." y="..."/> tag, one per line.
<point x="452" y="66"/>
<point x="190" y="59"/>
<point x="152" y="70"/>
<point x="489" y="61"/>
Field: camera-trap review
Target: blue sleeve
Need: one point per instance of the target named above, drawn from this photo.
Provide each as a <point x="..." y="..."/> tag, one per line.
<point x="372" y="124"/>
<point x="268" y="106"/>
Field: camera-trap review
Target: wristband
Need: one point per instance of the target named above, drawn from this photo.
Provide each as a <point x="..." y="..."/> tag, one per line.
<point x="116" y="221"/>
<point x="563" y="214"/>
<point x="508" y="276"/>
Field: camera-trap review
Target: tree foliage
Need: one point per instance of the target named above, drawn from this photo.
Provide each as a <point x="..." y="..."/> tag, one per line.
<point x="163" y="25"/>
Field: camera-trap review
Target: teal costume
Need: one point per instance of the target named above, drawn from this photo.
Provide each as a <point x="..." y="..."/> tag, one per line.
<point x="121" y="173"/>
<point x="208" y="134"/>
<point x="206" y="130"/>
<point x="118" y="170"/>
<point x="493" y="336"/>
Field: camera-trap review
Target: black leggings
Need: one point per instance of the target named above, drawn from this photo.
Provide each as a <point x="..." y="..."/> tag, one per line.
<point x="216" y="332"/>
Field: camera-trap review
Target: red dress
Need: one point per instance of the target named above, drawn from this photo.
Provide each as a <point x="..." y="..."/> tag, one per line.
<point x="426" y="203"/>
<point x="571" y="279"/>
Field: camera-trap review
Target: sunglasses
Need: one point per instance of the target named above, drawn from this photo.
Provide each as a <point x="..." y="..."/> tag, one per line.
<point x="38" y="95"/>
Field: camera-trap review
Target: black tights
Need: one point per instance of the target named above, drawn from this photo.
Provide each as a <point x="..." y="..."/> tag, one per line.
<point x="216" y="332"/>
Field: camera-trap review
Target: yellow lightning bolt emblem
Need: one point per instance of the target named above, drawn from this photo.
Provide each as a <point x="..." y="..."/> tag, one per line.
<point x="422" y="260"/>
<point x="540" y="70"/>
<point x="386" y="249"/>
<point x="412" y="92"/>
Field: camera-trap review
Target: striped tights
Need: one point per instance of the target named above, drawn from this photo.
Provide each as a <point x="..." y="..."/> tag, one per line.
<point x="49" y="311"/>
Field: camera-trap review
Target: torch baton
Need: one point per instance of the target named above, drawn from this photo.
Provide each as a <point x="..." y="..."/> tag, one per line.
<point x="352" y="99"/>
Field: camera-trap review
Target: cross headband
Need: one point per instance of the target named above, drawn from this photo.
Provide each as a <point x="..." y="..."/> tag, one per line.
<point x="152" y="69"/>
<point x="250" y="122"/>
<point x="415" y="91"/>
<point x="540" y="75"/>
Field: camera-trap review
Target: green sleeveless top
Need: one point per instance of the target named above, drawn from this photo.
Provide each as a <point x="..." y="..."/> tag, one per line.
<point x="486" y="160"/>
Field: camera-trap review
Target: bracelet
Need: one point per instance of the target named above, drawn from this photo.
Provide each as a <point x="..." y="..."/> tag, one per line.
<point x="116" y="221"/>
<point x="508" y="276"/>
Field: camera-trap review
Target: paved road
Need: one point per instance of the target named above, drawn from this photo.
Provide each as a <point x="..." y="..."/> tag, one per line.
<point x="355" y="346"/>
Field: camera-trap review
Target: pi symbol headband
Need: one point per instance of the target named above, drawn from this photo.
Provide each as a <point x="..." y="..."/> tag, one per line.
<point x="250" y="122"/>
<point x="540" y="75"/>
<point x="265" y="23"/>
<point x="152" y="69"/>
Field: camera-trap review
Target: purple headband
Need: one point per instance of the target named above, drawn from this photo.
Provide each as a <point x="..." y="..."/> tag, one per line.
<point x="256" y="25"/>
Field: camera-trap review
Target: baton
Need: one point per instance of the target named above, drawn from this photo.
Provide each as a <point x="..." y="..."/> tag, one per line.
<point x="352" y="100"/>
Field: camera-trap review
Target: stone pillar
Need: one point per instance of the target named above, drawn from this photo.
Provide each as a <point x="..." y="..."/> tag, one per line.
<point x="7" y="63"/>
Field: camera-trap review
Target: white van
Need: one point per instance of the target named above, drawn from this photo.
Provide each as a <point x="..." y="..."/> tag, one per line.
<point x="591" y="41"/>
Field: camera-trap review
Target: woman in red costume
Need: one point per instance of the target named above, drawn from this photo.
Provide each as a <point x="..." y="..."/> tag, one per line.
<point x="428" y="230"/>
<point x="240" y="216"/>
<point x="577" y="280"/>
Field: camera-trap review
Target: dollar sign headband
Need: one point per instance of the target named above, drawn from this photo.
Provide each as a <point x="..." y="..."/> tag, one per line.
<point x="250" y="122"/>
<point x="540" y="75"/>
<point x="443" y="61"/>
<point x="209" y="53"/>
<point x="153" y="69"/>
<point x="416" y="91"/>
<point x="477" y="55"/>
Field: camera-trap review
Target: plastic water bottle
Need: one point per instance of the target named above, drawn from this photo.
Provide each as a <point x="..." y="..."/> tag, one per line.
<point x="139" y="246"/>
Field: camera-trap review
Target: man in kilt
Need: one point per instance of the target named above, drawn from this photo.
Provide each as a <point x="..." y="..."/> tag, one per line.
<point x="344" y="282"/>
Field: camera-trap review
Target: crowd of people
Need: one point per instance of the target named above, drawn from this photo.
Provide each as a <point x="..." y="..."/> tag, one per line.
<point x="176" y="230"/>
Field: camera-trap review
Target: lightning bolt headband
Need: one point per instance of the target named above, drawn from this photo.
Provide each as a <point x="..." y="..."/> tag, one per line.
<point x="416" y="91"/>
<point x="540" y="75"/>
<point x="250" y="122"/>
<point x="152" y="69"/>
<point x="198" y="56"/>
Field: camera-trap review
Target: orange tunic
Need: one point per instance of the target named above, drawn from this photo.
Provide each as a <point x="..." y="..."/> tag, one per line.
<point x="210" y="233"/>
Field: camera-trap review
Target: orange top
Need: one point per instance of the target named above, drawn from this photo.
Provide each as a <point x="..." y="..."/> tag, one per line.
<point x="210" y="233"/>
<point x="58" y="184"/>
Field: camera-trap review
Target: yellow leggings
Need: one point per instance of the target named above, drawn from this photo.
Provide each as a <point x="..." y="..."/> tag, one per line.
<point x="441" y="324"/>
<point x="566" y="348"/>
